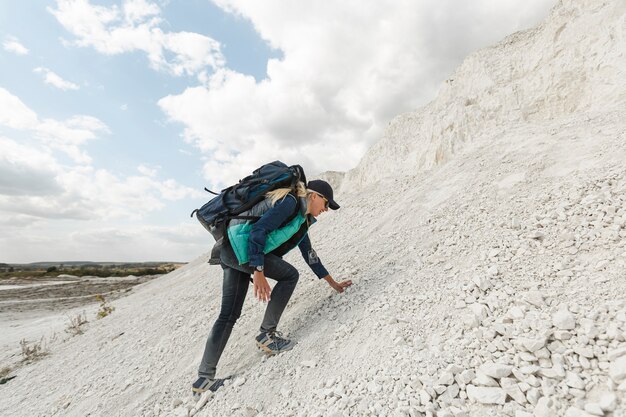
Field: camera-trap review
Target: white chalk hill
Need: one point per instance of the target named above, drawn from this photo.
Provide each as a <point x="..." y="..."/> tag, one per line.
<point x="485" y="235"/>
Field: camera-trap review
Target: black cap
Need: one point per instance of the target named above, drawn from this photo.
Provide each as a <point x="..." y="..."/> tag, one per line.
<point x="323" y="188"/>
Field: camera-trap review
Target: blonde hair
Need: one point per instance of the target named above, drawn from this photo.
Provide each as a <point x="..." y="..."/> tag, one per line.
<point x="280" y="193"/>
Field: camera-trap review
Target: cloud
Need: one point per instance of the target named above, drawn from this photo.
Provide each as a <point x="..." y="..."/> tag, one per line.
<point x="148" y="171"/>
<point x="12" y="44"/>
<point x="135" y="27"/>
<point x="347" y="69"/>
<point x="14" y="113"/>
<point x="66" y="136"/>
<point x="34" y="182"/>
<point x="55" y="80"/>
<point x="26" y="171"/>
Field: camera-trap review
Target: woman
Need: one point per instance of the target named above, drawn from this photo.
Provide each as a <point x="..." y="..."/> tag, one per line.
<point x="257" y="248"/>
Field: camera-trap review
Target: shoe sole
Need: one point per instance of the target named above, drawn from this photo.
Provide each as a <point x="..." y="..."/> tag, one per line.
<point x="273" y="352"/>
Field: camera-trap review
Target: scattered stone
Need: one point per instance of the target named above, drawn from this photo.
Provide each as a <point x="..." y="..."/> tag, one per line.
<point x="616" y="353"/>
<point x="239" y="382"/>
<point x="564" y="320"/>
<point x="486" y="395"/>
<point x="482" y="282"/>
<point x="533" y="345"/>
<point x="509" y="385"/>
<point x="577" y="412"/>
<point x="466" y="376"/>
<point x="516" y="313"/>
<point x="480" y="310"/>
<point x="617" y="369"/>
<point x="544" y="408"/>
<point x="574" y="381"/>
<point x="495" y="370"/>
<point x="594" y="408"/>
<point x="446" y="378"/>
<point x="535" y="298"/>
<point x="586" y="352"/>
<point x="484" y="380"/>
<point x="608" y="402"/>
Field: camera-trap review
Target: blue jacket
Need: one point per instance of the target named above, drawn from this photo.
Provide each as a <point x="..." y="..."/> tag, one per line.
<point x="272" y="220"/>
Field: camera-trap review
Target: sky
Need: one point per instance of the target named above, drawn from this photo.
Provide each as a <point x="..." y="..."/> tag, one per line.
<point x="114" y="115"/>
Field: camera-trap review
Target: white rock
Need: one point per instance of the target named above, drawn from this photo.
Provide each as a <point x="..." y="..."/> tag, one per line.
<point x="486" y="395"/>
<point x="309" y="364"/>
<point x="446" y="378"/>
<point x="564" y="320"/>
<point x="617" y="370"/>
<point x="616" y="353"/>
<point x="520" y="413"/>
<point x="586" y="351"/>
<point x="594" y="408"/>
<point x="480" y="310"/>
<point x="482" y="282"/>
<point x="533" y="344"/>
<point x="239" y="382"/>
<point x="535" y="298"/>
<point x="577" y="412"/>
<point x="493" y="270"/>
<point x="516" y="313"/>
<point x="451" y="392"/>
<point x="574" y="381"/>
<point x="495" y="370"/>
<point x="526" y="356"/>
<point x="454" y="369"/>
<point x="589" y="328"/>
<point x="562" y="335"/>
<point x="470" y="321"/>
<point x="373" y="387"/>
<point x="484" y="380"/>
<point x="509" y="385"/>
<point x="466" y="376"/>
<point x="424" y="397"/>
<point x="544" y="408"/>
<point x="608" y="402"/>
<point x="533" y="396"/>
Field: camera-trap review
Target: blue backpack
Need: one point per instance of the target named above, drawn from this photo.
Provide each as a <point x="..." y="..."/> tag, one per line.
<point x="238" y="198"/>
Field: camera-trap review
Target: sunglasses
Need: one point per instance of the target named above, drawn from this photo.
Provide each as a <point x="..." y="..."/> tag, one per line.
<point x="325" y="200"/>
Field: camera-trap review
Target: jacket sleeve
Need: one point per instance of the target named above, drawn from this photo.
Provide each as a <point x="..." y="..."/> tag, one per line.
<point x="310" y="257"/>
<point x="270" y="221"/>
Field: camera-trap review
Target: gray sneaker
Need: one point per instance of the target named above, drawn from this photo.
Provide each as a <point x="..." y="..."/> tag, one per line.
<point x="273" y="342"/>
<point x="205" y="384"/>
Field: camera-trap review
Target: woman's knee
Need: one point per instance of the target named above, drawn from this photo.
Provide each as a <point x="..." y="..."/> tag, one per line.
<point x="229" y="316"/>
<point x="294" y="275"/>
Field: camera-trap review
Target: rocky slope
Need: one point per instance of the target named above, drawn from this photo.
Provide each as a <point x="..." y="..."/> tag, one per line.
<point x="572" y="63"/>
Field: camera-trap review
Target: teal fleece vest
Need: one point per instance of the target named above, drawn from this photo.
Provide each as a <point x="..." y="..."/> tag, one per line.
<point x="239" y="232"/>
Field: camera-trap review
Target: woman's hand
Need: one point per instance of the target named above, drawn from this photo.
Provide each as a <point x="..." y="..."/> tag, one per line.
<point x="262" y="289"/>
<point x="338" y="286"/>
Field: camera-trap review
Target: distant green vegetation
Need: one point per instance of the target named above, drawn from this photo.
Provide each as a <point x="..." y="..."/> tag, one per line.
<point x="88" y="269"/>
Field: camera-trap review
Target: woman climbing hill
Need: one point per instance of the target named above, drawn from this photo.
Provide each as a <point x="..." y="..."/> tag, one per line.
<point x="285" y="218"/>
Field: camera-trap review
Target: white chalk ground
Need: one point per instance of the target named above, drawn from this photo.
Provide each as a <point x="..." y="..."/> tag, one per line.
<point x="485" y="235"/>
